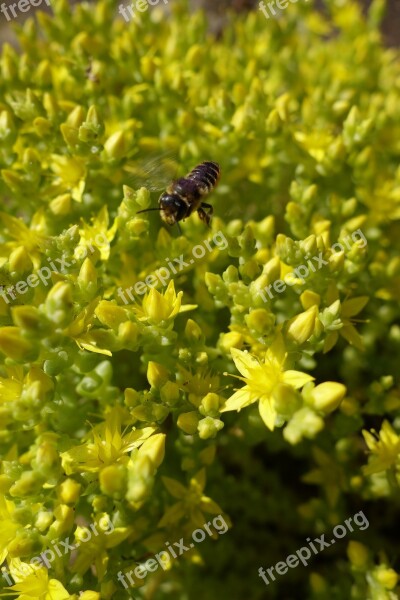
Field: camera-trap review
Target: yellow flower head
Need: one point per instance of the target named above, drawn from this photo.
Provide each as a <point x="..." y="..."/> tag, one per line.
<point x="385" y="449"/>
<point x="34" y="583"/>
<point x="158" y="308"/>
<point x="109" y="446"/>
<point x="261" y="380"/>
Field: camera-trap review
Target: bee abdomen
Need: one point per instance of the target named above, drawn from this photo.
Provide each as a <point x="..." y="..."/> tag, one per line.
<point x="206" y="174"/>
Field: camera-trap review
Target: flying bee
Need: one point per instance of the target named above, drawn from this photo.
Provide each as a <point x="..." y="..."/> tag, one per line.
<point x="185" y="195"/>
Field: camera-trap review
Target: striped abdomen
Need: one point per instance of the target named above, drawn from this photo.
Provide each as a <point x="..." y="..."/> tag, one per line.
<point x="206" y="176"/>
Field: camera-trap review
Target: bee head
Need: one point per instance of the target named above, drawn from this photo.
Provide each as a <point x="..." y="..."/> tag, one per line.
<point x="173" y="208"/>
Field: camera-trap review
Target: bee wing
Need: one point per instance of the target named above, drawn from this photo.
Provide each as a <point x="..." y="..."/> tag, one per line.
<point x="155" y="172"/>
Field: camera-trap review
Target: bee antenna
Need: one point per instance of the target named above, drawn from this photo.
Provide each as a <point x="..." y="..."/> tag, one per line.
<point x="148" y="210"/>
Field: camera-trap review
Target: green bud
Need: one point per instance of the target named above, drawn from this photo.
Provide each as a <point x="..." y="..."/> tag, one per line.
<point x="210" y="405"/>
<point x="193" y="332"/>
<point x="169" y="393"/>
<point x="59" y="303"/>
<point x="87" y="278"/>
<point x="93" y="128"/>
<point x="209" y="427"/>
<point x="188" y="422"/>
<point x="28" y="484"/>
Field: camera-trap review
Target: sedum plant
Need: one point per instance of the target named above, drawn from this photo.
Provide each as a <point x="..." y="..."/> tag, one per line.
<point x="258" y="383"/>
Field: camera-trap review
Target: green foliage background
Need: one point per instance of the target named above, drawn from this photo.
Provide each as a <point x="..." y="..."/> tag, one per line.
<point x="303" y="115"/>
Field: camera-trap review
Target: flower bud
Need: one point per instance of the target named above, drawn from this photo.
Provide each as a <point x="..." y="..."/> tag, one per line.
<point x="358" y="554"/>
<point x="209" y="427"/>
<point x="386" y="577"/>
<point x="328" y="396"/>
<point x="154" y="448"/>
<point x="157" y="375"/>
<point x="301" y="327"/>
<point x="89" y="595"/>
<point x="309" y="298"/>
<point x="13" y="345"/>
<point x="169" y="393"/>
<point x="113" y="480"/>
<point x="210" y="404"/>
<point x="61" y="205"/>
<point x="69" y="491"/>
<point x="188" y="422"/>
<point x="233" y="339"/>
<point x="116" y="147"/>
<point x="193" y="332"/>
<point x="87" y="278"/>
<point x="260" y="320"/>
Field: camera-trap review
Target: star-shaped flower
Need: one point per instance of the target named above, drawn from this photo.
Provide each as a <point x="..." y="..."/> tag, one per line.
<point x="262" y="379"/>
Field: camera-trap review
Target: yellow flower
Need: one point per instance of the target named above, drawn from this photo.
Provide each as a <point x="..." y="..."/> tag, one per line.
<point x="261" y="380"/>
<point x="32" y="239"/>
<point x="191" y="503"/>
<point x="108" y="446"/>
<point x="93" y="551"/>
<point x="198" y="384"/>
<point x="158" y="308"/>
<point x="36" y="585"/>
<point x="349" y="308"/>
<point x="71" y="176"/>
<point x="384" y="448"/>
<point x="9" y="526"/>
<point x="97" y="235"/>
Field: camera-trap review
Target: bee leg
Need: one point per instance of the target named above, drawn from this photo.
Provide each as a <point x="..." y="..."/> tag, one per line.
<point x="179" y="228"/>
<point x="206" y="217"/>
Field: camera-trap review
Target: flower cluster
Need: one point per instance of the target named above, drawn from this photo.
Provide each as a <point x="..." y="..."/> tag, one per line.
<point x="200" y="399"/>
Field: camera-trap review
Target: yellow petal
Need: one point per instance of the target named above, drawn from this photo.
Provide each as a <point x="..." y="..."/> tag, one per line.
<point x="244" y="362"/>
<point x="353" y="306"/>
<point x="330" y="341"/>
<point x="176" y="489"/>
<point x="351" y="334"/>
<point x="240" y="399"/>
<point x="267" y="412"/>
<point x="296" y="378"/>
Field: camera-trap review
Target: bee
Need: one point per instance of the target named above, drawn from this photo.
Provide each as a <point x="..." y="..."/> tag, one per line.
<point x="185" y="195"/>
